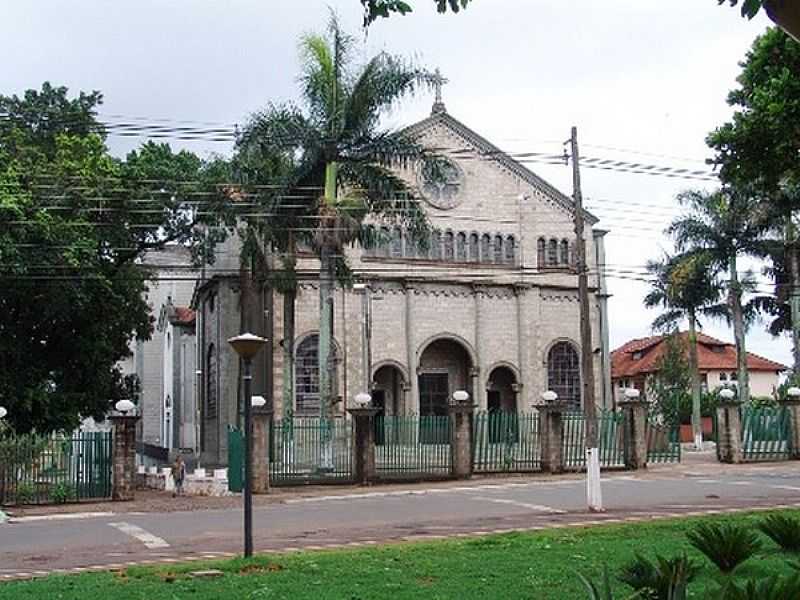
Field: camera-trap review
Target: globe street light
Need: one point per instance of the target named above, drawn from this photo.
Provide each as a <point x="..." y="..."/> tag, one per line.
<point x="247" y="345"/>
<point x="793" y="393"/>
<point x="3" y="412"/>
<point x="258" y="401"/>
<point x="726" y="394"/>
<point x="632" y="394"/>
<point x="460" y="396"/>
<point x="124" y="406"/>
<point x="549" y="396"/>
<point x="362" y="399"/>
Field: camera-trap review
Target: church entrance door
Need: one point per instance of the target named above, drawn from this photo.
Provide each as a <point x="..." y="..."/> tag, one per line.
<point x="433" y="396"/>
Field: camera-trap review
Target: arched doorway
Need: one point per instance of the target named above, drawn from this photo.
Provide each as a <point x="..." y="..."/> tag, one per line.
<point x="500" y="394"/>
<point x="387" y="395"/>
<point x="564" y="373"/>
<point x="444" y="367"/>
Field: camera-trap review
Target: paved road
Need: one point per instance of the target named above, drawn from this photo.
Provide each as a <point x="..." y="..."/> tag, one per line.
<point x="356" y="517"/>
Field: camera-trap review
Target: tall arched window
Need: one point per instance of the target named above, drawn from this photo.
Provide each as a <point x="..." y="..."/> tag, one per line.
<point x="461" y="247"/>
<point x="497" y="250"/>
<point x="563" y="373"/>
<point x="564" y="254"/>
<point x="540" y="252"/>
<point x="397" y="243"/>
<point x="552" y="253"/>
<point x="474" y="248"/>
<point x="384" y="241"/>
<point x="510" y="250"/>
<point x="486" y="248"/>
<point x="369" y="240"/>
<point x="436" y="246"/>
<point x="211" y="382"/>
<point x="306" y="376"/>
<point x="449" y="249"/>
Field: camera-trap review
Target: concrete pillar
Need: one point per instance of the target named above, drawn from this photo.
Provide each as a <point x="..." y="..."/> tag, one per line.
<point x="262" y="418"/>
<point x="792" y="406"/>
<point x="123" y="457"/>
<point x="363" y="444"/>
<point x="635" y="413"/>
<point x="517" y="389"/>
<point x="551" y="437"/>
<point x="461" y="439"/>
<point x="729" y="432"/>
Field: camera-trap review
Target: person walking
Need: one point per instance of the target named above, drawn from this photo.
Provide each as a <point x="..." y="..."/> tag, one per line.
<point x="178" y="475"/>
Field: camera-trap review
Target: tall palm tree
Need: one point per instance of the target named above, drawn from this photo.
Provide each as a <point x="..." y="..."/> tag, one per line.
<point x="683" y="286"/>
<point x="336" y="144"/>
<point x="721" y="227"/>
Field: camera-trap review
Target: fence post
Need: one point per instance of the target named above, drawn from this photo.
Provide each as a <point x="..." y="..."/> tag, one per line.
<point x="123" y="457"/>
<point x="461" y="439"/>
<point x="729" y="431"/>
<point x="635" y="438"/>
<point x="792" y="406"/>
<point x="363" y="444"/>
<point x="551" y="436"/>
<point x="261" y="442"/>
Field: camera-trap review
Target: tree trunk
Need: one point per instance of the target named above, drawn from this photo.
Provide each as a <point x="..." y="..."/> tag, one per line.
<point x="694" y="368"/>
<point x="289" y="298"/>
<point x="742" y="376"/>
<point x="327" y="364"/>
<point x="792" y="261"/>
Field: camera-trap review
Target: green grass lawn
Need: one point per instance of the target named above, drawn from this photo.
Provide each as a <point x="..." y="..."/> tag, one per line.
<point x="540" y="565"/>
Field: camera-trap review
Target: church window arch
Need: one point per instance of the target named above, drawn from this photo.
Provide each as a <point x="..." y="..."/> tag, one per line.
<point x="449" y="243"/>
<point x="461" y="247"/>
<point x="552" y="252"/>
<point x="474" y="247"/>
<point x="510" y="250"/>
<point x="436" y="245"/>
<point x="564" y="252"/>
<point x="397" y="243"/>
<point x="486" y="248"/>
<point x="563" y="373"/>
<point x="306" y="375"/>
<point x="540" y="252"/>
<point x="497" y="250"/>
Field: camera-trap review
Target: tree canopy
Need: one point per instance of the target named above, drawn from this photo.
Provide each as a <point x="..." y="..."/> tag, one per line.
<point x="374" y="9"/>
<point x="74" y="224"/>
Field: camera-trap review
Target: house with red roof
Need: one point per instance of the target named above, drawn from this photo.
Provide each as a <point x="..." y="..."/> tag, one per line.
<point x="635" y="361"/>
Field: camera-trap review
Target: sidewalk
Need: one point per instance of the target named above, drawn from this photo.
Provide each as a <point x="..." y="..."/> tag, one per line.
<point x="693" y="464"/>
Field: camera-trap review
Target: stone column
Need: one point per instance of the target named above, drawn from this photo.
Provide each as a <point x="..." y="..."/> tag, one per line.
<point x="262" y="418"/>
<point x="729" y="432"/>
<point x="363" y="444"/>
<point x="635" y="412"/>
<point x="792" y="406"/>
<point x="461" y="439"/>
<point x="517" y="389"/>
<point x="551" y="437"/>
<point x="123" y="457"/>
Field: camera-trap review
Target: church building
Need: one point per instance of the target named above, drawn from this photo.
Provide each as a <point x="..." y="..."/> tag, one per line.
<point x="490" y="307"/>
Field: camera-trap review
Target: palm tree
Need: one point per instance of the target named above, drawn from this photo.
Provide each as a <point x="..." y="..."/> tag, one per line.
<point x="336" y="144"/>
<point x="719" y="228"/>
<point x="683" y="286"/>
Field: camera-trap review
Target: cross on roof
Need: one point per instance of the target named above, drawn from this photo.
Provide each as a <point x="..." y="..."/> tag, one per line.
<point x="438" y="82"/>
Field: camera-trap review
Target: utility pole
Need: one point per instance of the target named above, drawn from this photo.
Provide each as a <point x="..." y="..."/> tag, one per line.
<point x="593" y="491"/>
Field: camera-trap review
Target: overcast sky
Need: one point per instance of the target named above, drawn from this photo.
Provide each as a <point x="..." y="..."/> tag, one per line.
<point x="646" y="76"/>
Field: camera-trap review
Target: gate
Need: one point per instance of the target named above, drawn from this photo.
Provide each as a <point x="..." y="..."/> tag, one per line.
<point x="311" y="450"/>
<point x="610" y="437"/>
<point x="663" y="442"/>
<point x="766" y="432"/>
<point x="505" y="442"/>
<point x="413" y="446"/>
<point x="38" y="469"/>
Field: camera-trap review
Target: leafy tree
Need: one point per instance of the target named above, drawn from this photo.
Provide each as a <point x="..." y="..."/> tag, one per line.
<point x="670" y="386"/>
<point x="73" y="222"/>
<point x="682" y="286"/>
<point x="373" y="9"/>
<point x="783" y="12"/>
<point x="719" y="228"/>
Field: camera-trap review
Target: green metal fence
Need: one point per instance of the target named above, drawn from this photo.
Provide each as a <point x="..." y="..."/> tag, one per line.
<point x="311" y="450"/>
<point x="663" y="442"/>
<point x="38" y="469"/>
<point x="235" y="459"/>
<point x="766" y="432"/>
<point x="610" y="433"/>
<point x="505" y="442"/>
<point x="412" y="446"/>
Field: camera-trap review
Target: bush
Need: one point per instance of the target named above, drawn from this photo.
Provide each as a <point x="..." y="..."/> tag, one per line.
<point x="62" y="493"/>
<point x="603" y="591"/>
<point x="783" y="530"/>
<point x="25" y="493"/>
<point x="664" y="579"/>
<point x="767" y="588"/>
<point x="726" y="545"/>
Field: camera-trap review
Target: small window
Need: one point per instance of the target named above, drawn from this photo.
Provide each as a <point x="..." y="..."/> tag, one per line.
<point x="723" y="377"/>
<point x="486" y="248"/>
<point x="638" y="355"/>
<point x="461" y="247"/>
<point x="474" y="248"/>
<point x="498" y="250"/>
<point x="552" y="253"/>
<point x="540" y="252"/>
<point x="212" y="299"/>
<point x="734" y="376"/>
<point x="397" y="243"/>
<point x="436" y="246"/>
<point x="449" y="243"/>
<point x="510" y="250"/>
<point x="564" y="253"/>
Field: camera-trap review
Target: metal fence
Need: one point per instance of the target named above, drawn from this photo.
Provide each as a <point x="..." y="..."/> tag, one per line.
<point x="38" y="469"/>
<point x="311" y="450"/>
<point x="411" y="446"/>
<point x="505" y="442"/>
<point x="766" y="432"/>
<point x="663" y="442"/>
<point x="610" y="436"/>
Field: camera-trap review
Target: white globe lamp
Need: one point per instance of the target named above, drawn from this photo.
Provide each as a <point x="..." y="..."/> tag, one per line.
<point x="632" y="394"/>
<point x="460" y="396"/>
<point x="124" y="406"/>
<point x="726" y="394"/>
<point x="258" y="401"/>
<point x="549" y="396"/>
<point x="3" y="412"/>
<point x="362" y="399"/>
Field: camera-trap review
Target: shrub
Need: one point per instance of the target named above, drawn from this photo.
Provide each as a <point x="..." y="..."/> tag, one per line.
<point x="664" y="579"/>
<point x="783" y="530"/>
<point x="62" y="493"/>
<point x="726" y="545"/>
<point x="767" y="588"/>
<point x="603" y="592"/>
<point x="25" y="493"/>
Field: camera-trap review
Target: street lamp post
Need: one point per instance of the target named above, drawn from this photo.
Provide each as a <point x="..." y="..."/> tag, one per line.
<point x="247" y="345"/>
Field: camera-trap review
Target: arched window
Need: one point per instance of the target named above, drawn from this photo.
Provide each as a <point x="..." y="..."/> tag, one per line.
<point x="449" y="250"/>
<point x="564" y="254"/>
<point x="436" y="246"/>
<point x="497" y="250"/>
<point x="486" y="248"/>
<point x="563" y="373"/>
<point x="474" y="248"/>
<point x="461" y="247"/>
<point x="540" y="252"/>
<point x="552" y="253"/>
<point x="306" y="376"/>
<point x="211" y="382"/>
<point x="368" y="240"/>
<point x="510" y="250"/>
<point x="397" y="243"/>
<point x="384" y="242"/>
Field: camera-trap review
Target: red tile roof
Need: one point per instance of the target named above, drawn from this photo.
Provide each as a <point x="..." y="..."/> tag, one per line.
<point x="183" y="316"/>
<point x="712" y="355"/>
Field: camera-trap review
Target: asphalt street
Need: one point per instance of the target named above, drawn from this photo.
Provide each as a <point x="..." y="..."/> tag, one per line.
<point x="34" y="545"/>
